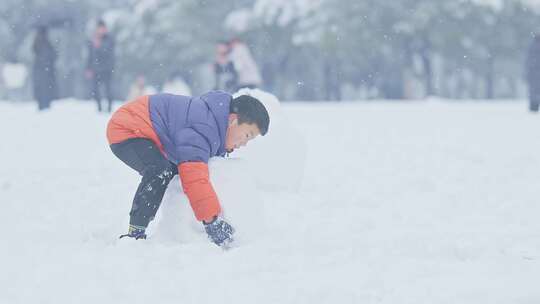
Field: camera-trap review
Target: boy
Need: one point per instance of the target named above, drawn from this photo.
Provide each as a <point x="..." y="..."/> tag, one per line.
<point x="162" y="135"/>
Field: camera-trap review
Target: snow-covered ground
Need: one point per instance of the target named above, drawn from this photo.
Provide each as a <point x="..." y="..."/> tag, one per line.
<point x="421" y="202"/>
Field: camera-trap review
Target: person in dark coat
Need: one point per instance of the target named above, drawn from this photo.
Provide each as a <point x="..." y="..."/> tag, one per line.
<point x="44" y="74"/>
<point x="100" y="65"/>
<point x="532" y="67"/>
<point x="225" y="74"/>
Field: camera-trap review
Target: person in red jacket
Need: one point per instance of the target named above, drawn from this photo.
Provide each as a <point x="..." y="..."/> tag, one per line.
<point x="162" y="135"/>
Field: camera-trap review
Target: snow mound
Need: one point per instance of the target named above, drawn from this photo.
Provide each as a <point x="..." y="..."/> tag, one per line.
<point x="277" y="160"/>
<point x="238" y="181"/>
<point x="239" y="197"/>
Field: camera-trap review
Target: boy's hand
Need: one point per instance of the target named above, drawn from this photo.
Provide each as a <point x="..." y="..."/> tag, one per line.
<point x="219" y="232"/>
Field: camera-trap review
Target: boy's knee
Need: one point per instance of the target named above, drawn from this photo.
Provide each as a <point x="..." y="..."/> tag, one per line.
<point x="164" y="171"/>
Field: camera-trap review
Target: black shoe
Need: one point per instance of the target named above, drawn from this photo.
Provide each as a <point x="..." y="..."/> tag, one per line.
<point x="135" y="232"/>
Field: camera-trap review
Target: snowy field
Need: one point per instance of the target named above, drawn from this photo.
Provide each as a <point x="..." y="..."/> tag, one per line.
<point x="421" y="202"/>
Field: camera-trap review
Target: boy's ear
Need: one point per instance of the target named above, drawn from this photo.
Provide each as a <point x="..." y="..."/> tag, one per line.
<point x="233" y="117"/>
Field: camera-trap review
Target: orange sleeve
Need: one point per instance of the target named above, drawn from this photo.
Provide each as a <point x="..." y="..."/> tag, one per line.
<point x="195" y="181"/>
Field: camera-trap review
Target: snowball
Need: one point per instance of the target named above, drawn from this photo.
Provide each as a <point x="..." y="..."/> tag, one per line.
<point x="273" y="162"/>
<point x="277" y="160"/>
<point x="239" y="198"/>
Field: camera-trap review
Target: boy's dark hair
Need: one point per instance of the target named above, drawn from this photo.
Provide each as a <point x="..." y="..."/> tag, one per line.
<point x="250" y="110"/>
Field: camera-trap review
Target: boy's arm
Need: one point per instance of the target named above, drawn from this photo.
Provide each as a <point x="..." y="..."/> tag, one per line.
<point x="204" y="202"/>
<point x="192" y="154"/>
<point x="195" y="181"/>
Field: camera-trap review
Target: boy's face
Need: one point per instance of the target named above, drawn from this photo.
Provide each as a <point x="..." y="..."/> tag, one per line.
<point x="239" y="134"/>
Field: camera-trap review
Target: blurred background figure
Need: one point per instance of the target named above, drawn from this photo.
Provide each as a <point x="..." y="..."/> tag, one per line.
<point x="225" y="75"/>
<point x="139" y="88"/>
<point x="44" y="74"/>
<point x="532" y="67"/>
<point x="100" y="65"/>
<point x="244" y="64"/>
<point x="463" y="50"/>
<point x="175" y="84"/>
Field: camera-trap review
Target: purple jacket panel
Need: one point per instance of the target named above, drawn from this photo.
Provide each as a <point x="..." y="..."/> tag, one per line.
<point x="191" y="128"/>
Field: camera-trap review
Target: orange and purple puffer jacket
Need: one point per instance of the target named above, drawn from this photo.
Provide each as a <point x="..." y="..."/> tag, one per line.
<point x="187" y="130"/>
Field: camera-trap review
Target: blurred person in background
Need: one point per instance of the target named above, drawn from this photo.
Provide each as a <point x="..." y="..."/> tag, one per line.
<point x="225" y="74"/>
<point x="532" y="67"/>
<point x="244" y="64"/>
<point x="44" y="74"/>
<point x="100" y="65"/>
<point x="139" y="88"/>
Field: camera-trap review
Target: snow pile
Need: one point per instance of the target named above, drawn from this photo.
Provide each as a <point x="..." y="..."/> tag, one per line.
<point x="273" y="162"/>
<point x="240" y="199"/>
<point x="277" y="160"/>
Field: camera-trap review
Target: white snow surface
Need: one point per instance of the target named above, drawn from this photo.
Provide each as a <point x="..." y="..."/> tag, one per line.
<point x="417" y="202"/>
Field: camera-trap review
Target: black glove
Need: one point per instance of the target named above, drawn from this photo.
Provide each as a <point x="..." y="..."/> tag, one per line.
<point x="219" y="232"/>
